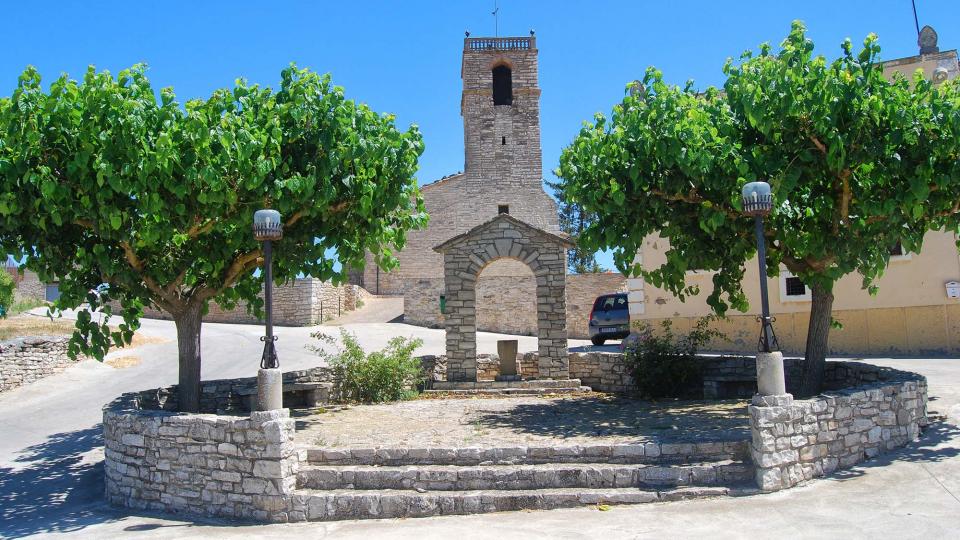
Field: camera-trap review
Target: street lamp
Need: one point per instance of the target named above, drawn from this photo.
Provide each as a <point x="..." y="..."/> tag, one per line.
<point x="267" y="227"/>
<point x="758" y="202"/>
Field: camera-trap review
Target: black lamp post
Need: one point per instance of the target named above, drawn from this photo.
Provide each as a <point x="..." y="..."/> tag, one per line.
<point x="758" y="202"/>
<point x="267" y="227"/>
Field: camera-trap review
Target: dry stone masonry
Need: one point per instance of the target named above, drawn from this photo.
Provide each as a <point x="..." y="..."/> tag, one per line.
<point x="798" y="440"/>
<point x="201" y="464"/>
<point x="25" y="360"/>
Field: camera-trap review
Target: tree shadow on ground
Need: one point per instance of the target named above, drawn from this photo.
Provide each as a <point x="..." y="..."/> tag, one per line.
<point x="680" y="421"/>
<point x="929" y="448"/>
<point x="54" y="486"/>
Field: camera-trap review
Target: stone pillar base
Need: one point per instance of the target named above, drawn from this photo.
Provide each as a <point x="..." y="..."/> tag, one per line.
<point x="779" y="400"/>
<point x="770" y="379"/>
<point x="269" y="389"/>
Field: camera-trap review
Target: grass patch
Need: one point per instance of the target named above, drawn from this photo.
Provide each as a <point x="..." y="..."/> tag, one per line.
<point x="31" y="326"/>
<point x="28" y="325"/>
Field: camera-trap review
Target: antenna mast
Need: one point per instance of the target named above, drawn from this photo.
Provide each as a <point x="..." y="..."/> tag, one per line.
<point x="496" y="19"/>
<point x="916" y="22"/>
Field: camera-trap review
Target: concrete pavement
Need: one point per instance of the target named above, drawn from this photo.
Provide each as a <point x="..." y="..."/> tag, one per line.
<point x="51" y="475"/>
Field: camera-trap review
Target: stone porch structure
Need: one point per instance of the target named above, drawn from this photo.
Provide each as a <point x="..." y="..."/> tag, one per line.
<point x="467" y="254"/>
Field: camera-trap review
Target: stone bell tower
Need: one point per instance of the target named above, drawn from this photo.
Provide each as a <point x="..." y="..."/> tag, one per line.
<point x="501" y="113"/>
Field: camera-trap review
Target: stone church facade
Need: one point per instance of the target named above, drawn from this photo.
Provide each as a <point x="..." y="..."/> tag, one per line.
<point x="503" y="173"/>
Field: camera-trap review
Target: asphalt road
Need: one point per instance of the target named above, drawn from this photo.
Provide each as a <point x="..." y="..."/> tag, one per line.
<point x="51" y="471"/>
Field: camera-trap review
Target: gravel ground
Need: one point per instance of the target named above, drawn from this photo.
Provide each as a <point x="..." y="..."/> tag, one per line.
<point x="593" y="418"/>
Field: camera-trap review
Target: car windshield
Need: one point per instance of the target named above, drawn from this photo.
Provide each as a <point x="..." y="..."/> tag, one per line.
<point x="608" y="303"/>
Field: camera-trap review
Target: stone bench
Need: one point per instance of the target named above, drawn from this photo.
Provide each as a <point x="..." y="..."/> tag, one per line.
<point x="729" y="386"/>
<point x="295" y="395"/>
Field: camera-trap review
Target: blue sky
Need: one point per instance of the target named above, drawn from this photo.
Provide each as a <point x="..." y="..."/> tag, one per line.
<point x="404" y="57"/>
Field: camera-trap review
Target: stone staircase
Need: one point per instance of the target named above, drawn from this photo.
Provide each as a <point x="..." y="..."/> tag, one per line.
<point x="361" y="483"/>
<point x="507" y="388"/>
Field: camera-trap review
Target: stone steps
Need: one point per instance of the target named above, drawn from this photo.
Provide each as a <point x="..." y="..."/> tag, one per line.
<point x="649" y="453"/>
<point x="525" y="384"/>
<point x="522" y="477"/>
<point x="381" y="504"/>
<point x="506" y="392"/>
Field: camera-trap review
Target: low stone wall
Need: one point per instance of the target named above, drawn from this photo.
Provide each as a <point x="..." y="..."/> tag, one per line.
<point x="236" y="467"/>
<point x="25" y="360"/>
<point x="304" y="302"/>
<point x="241" y="467"/>
<point x="601" y="371"/>
<point x="797" y="440"/>
<point x="226" y="396"/>
<point x="508" y="304"/>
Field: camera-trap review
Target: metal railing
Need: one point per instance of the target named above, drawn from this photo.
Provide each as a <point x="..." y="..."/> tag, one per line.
<point x="500" y="44"/>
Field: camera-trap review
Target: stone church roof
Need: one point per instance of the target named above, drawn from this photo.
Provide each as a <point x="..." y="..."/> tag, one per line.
<point x="561" y="239"/>
<point x="444" y="180"/>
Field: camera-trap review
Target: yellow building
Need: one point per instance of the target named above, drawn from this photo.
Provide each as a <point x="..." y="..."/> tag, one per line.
<point x="916" y="311"/>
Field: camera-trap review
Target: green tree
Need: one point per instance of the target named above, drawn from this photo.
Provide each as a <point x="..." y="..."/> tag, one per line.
<point x="573" y="221"/>
<point x="6" y="292"/>
<point x="857" y="163"/>
<point x="105" y="182"/>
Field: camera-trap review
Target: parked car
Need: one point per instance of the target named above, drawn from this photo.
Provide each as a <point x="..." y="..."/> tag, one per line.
<point x="609" y="318"/>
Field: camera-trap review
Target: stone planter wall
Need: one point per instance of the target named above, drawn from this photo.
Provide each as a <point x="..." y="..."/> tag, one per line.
<point x="225" y="396"/>
<point x="797" y="440"/>
<point x="25" y="360"/>
<point x="225" y="466"/>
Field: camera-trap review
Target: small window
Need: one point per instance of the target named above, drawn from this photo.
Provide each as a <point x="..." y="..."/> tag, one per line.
<point x="795" y="287"/>
<point x="610" y="303"/>
<point x="792" y="288"/>
<point x="503" y="209"/>
<point x="502" y="86"/>
<point x="503" y="141"/>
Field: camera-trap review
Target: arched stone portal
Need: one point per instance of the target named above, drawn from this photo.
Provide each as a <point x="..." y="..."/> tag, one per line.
<point x="466" y="255"/>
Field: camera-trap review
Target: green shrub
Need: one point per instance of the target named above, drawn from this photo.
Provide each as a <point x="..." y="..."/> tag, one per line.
<point x="25" y="304"/>
<point x="389" y="374"/>
<point x="6" y="292"/>
<point x="664" y="365"/>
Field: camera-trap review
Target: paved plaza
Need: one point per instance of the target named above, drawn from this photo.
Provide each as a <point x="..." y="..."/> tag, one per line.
<point x="527" y="421"/>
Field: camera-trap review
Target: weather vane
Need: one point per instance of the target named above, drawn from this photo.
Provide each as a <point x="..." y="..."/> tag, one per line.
<point x="496" y="19"/>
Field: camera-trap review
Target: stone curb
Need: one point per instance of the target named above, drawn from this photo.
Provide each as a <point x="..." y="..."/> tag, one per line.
<point x="385" y="504"/>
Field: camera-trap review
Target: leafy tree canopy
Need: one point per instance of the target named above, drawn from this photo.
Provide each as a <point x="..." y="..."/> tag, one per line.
<point x="857" y="163"/>
<point x="105" y="181"/>
<point x="573" y="220"/>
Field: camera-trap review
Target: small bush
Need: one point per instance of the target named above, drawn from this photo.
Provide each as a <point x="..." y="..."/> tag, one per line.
<point x="389" y="374"/>
<point x="25" y="305"/>
<point x="6" y="292"/>
<point x="666" y="366"/>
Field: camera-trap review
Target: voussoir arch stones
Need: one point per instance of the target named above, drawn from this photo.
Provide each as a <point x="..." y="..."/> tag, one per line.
<point x="467" y="254"/>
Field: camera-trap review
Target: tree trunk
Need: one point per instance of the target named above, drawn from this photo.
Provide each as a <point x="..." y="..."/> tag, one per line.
<point x="188" y="345"/>
<point x="821" y="309"/>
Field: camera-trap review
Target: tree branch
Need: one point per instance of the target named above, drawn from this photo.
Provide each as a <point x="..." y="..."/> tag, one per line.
<point x="692" y="198"/>
<point x="816" y="142"/>
<point x="334" y="209"/>
<point x="239" y="266"/>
